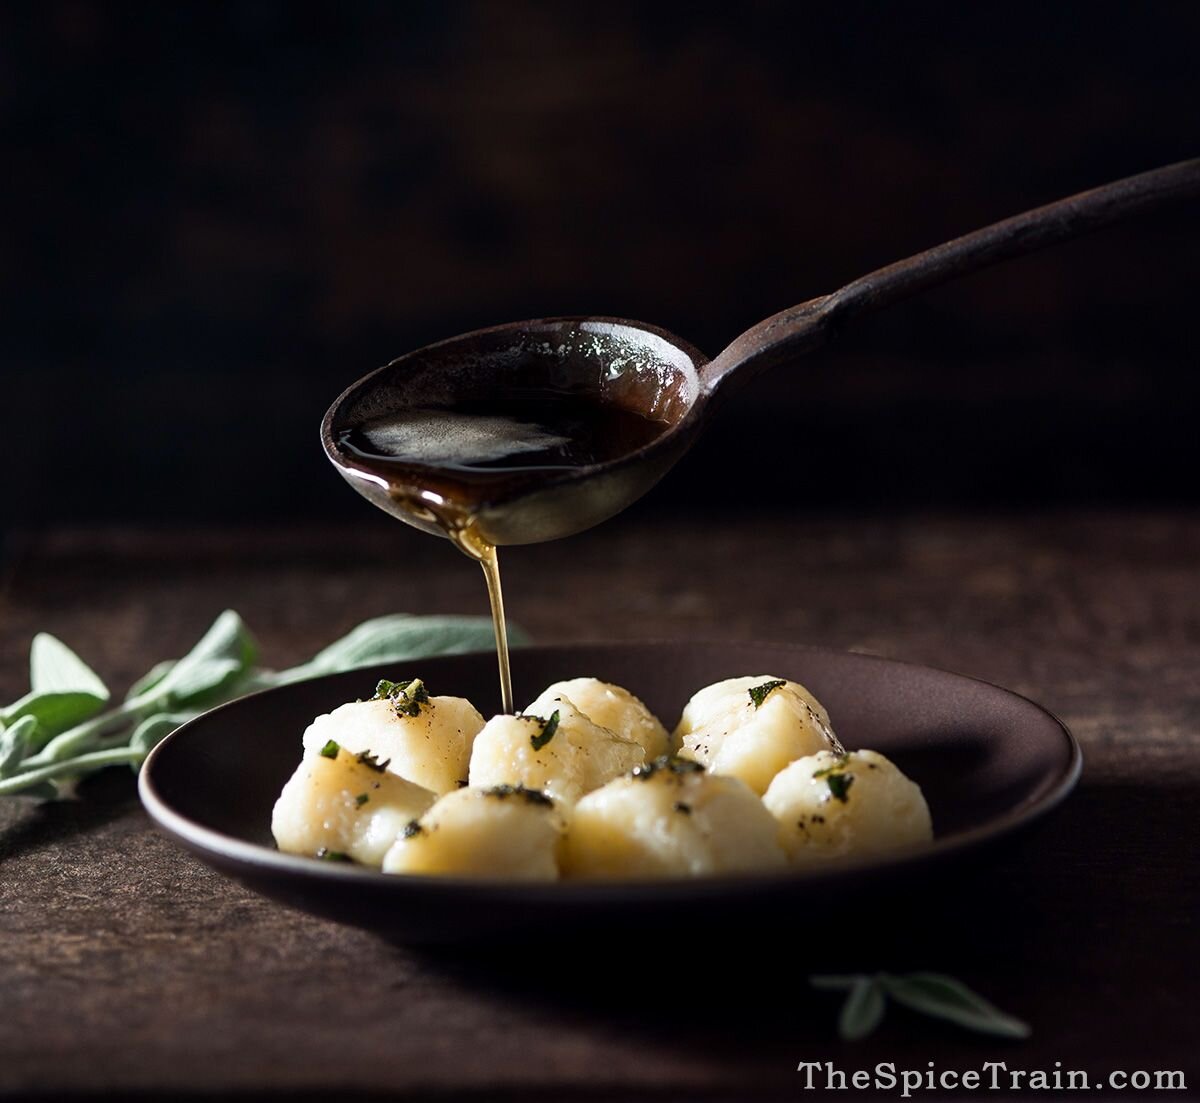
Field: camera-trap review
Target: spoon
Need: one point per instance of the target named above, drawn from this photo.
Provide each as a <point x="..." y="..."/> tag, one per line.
<point x="649" y="374"/>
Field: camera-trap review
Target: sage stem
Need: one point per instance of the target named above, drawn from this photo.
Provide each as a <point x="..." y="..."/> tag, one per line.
<point x="114" y="756"/>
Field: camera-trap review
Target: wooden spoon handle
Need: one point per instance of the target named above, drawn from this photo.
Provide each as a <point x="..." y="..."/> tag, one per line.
<point x="801" y="328"/>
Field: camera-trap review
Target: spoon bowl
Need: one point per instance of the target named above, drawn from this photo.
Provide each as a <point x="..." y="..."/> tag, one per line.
<point x="647" y="374"/>
<point x="618" y="363"/>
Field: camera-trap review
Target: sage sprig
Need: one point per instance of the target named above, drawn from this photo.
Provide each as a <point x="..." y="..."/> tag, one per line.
<point x="61" y="729"/>
<point x="933" y="994"/>
<point x="64" y="690"/>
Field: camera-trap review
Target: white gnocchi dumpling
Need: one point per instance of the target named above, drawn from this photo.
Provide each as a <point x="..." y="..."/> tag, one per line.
<point x="339" y="804"/>
<point x="610" y="706"/>
<point x="853" y="805"/>
<point x="562" y="753"/>
<point x="751" y="728"/>
<point x="671" y="818"/>
<point x="505" y="831"/>
<point x="422" y="738"/>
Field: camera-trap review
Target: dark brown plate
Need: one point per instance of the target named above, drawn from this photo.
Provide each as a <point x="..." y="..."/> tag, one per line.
<point x="988" y="761"/>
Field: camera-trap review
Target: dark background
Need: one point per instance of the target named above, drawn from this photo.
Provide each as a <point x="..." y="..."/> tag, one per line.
<point x="218" y="215"/>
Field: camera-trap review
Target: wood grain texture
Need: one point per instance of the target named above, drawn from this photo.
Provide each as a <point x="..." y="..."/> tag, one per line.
<point x="125" y="966"/>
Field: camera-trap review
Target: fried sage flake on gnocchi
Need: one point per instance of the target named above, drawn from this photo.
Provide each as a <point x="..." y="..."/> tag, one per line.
<point x="422" y="738"/>
<point x="506" y="831"/>
<point x="751" y="728"/>
<point x="611" y="707"/>
<point x="406" y="697"/>
<point x="853" y="805"/>
<point x="580" y="756"/>
<point x="670" y="818"/>
<point x="343" y="803"/>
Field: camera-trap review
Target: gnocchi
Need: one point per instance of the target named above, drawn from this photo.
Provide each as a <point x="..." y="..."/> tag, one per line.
<point x="834" y="806"/>
<point x="506" y="831"/>
<point x="751" y="728"/>
<point x="611" y="707"/>
<point x="671" y="818"/>
<point x="583" y="785"/>
<point x="562" y="753"/>
<point x="426" y="740"/>
<point x="341" y="804"/>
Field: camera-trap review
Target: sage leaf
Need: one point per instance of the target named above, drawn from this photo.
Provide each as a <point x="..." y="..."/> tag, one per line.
<point x="863" y="1010"/>
<point x="944" y="997"/>
<point x="53" y="736"/>
<point x="199" y="683"/>
<point x="154" y="729"/>
<point x="400" y="637"/>
<point x="150" y="679"/>
<point x="64" y="690"/>
<point x="55" y="668"/>
<point x="55" y="711"/>
<point x="225" y="651"/>
<point x="14" y="744"/>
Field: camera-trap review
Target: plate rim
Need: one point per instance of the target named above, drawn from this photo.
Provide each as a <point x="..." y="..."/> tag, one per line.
<point x="228" y="850"/>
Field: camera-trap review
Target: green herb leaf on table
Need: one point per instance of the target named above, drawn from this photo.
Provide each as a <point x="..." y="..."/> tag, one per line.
<point x="154" y="729"/>
<point x="14" y="744"/>
<point x="933" y="994"/>
<point x="400" y="637"/>
<point x="946" y="998"/>
<point x="60" y="731"/>
<point x="54" y="711"/>
<point x="63" y="691"/>
<point x="226" y="651"/>
<point x="198" y="683"/>
<point x="150" y="679"/>
<point x="863" y="1010"/>
<point x="55" y="668"/>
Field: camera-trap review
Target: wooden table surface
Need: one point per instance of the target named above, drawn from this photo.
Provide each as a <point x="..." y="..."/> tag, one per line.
<point x="127" y="966"/>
